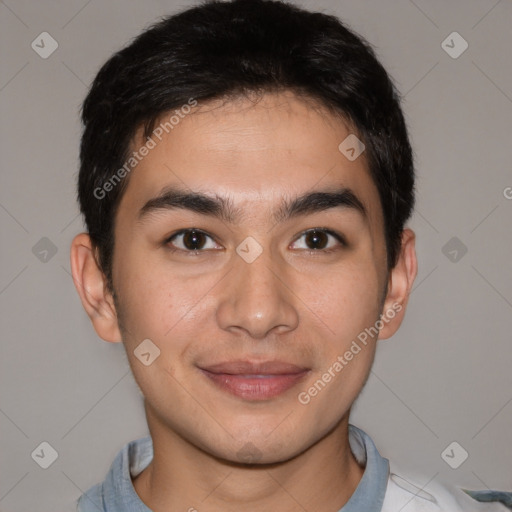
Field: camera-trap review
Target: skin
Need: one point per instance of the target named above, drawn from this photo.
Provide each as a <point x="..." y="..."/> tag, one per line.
<point x="293" y="303"/>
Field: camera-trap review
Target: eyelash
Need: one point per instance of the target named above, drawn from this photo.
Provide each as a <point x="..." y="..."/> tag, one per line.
<point x="313" y="252"/>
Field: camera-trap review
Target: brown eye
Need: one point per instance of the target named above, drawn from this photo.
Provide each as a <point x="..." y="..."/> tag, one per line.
<point x="321" y="240"/>
<point x="316" y="239"/>
<point x="193" y="240"/>
<point x="189" y="240"/>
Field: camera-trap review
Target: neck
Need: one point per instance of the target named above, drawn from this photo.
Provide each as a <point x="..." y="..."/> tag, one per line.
<point x="181" y="476"/>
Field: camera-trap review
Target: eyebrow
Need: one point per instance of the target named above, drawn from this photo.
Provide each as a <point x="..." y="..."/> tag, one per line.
<point x="172" y="198"/>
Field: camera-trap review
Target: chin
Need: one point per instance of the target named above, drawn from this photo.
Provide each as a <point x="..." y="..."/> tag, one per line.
<point x="265" y="449"/>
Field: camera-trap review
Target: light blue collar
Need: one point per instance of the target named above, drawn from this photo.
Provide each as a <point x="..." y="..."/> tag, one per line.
<point x="369" y="494"/>
<point x="117" y="494"/>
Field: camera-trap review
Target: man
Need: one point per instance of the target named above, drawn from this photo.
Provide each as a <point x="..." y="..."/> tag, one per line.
<point x="245" y="179"/>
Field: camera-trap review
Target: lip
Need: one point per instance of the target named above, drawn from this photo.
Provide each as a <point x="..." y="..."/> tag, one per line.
<point x="255" y="380"/>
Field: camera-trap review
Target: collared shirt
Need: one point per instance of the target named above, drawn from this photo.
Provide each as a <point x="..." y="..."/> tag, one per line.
<point x="379" y="490"/>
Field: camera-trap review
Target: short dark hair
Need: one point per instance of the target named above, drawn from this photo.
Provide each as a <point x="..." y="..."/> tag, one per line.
<point x="227" y="49"/>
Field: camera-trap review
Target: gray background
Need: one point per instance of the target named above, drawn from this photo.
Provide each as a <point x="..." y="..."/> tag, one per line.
<point x="446" y="376"/>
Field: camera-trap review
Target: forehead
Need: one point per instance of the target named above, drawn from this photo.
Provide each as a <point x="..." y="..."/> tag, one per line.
<point x="253" y="151"/>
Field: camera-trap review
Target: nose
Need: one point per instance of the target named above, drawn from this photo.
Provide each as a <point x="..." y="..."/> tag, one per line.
<point x="257" y="299"/>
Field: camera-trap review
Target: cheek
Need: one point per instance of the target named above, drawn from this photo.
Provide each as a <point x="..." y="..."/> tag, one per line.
<point x="147" y="297"/>
<point x="163" y="306"/>
<point x="347" y="300"/>
<point x="349" y="307"/>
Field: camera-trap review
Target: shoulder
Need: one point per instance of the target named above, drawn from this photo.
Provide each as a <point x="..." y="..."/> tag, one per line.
<point x="92" y="500"/>
<point x="409" y="493"/>
<point x="116" y="492"/>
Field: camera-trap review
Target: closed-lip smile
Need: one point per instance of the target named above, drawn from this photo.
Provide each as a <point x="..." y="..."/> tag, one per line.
<point x="254" y="380"/>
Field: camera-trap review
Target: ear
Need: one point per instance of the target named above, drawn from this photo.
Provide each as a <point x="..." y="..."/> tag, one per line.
<point x="401" y="279"/>
<point x="91" y="285"/>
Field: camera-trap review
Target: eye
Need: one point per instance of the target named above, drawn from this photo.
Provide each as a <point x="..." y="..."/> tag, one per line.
<point x="191" y="240"/>
<point x="194" y="240"/>
<point x="317" y="239"/>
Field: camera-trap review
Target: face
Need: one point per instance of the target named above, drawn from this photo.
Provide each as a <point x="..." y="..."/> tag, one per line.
<point x="253" y="292"/>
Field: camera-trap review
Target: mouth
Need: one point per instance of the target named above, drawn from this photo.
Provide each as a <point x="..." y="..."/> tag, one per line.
<point x="255" y="381"/>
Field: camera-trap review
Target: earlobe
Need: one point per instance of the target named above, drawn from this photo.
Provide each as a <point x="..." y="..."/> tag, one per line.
<point x="91" y="286"/>
<point x="400" y="283"/>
